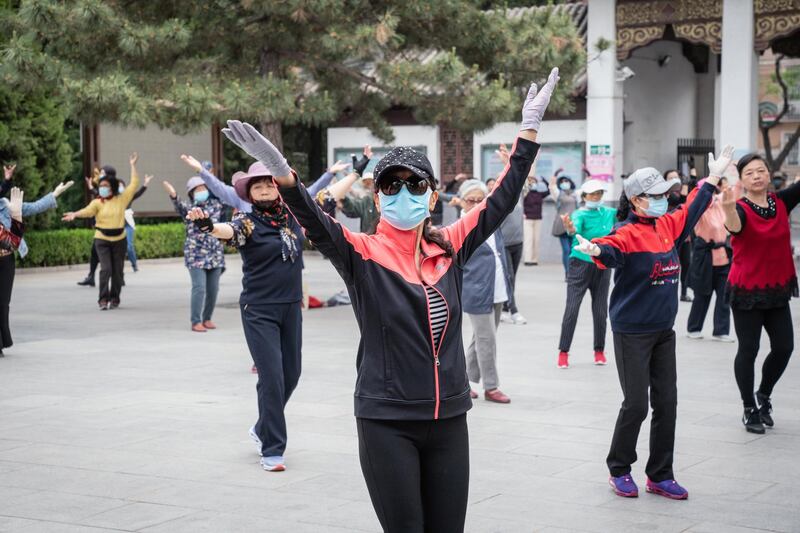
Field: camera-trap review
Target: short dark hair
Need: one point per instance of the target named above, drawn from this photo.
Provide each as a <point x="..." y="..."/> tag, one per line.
<point x="749" y="158"/>
<point x="253" y="181"/>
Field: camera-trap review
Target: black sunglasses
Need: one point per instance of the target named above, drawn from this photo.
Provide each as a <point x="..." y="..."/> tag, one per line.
<point x="391" y="185"/>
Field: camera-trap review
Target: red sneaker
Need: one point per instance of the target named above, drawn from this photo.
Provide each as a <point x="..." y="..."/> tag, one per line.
<point x="496" y="395"/>
<point x="254" y="370"/>
<point x="563" y="360"/>
<point x="209" y="325"/>
<point x="198" y="328"/>
<point x="599" y="358"/>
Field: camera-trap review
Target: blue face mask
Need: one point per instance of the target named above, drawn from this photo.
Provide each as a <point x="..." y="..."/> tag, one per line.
<point x="104" y="191"/>
<point x="656" y="208"/>
<point x="403" y="210"/>
<point x="564" y="186"/>
<point x="200" y="197"/>
<point x="593" y="204"/>
<point x="541" y="187"/>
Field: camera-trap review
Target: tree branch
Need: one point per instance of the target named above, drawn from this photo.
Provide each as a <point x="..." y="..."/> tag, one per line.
<point x="784" y="90"/>
<point x="338" y="67"/>
<point x="786" y="149"/>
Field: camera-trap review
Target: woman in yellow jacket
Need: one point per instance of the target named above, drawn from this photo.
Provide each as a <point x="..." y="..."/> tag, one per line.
<point x="108" y="211"/>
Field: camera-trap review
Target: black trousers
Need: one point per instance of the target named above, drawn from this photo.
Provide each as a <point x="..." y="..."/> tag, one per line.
<point x="722" y="310"/>
<point x="274" y="334"/>
<point x="7" y="271"/>
<point x="93" y="261"/>
<point x="513" y="258"/>
<point x="685" y="256"/>
<point x="748" y="323"/>
<point x="417" y="472"/>
<point x="645" y="361"/>
<point x="583" y="276"/>
<point x="112" y="261"/>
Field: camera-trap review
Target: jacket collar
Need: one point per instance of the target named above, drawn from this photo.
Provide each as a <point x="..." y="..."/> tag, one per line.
<point x="633" y="217"/>
<point x="405" y="240"/>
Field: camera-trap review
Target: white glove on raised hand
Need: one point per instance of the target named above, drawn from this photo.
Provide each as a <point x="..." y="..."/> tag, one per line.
<point x="15" y="204"/>
<point x="61" y="187"/>
<point x="257" y="146"/>
<point x="587" y="247"/>
<point x="536" y="102"/>
<point x="716" y="167"/>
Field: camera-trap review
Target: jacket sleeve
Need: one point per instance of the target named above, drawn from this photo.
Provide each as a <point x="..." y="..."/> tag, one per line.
<point x="682" y="221"/>
<point x="11" y="237"/>
<point x="790" y="196"/>
<point x="470" y="231"/>
<point x="89" y="211"/>
<point x="129" y="192"/>
<point x="139" y="193"/>
<point x="331" y="238"/>
<point x="613" y="249"/>
<point x="226" y="193"/>
<point x="48" y="201"/>
<point x="181" y="208"/>
<point x="320" y="184"/>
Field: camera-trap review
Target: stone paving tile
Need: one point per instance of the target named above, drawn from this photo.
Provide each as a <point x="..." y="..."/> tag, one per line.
<point x="143" y="425"/>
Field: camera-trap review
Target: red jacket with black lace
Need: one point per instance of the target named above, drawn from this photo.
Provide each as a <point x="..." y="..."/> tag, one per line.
<point x="401" y="374"/>
<point x="11" y="237"/>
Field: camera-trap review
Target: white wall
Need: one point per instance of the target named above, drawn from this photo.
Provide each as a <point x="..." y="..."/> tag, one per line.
<point x="159" y="154"/>
<point x="403" y="136"/>
<point x="660" y="107"/>
<point x="553" y="131"/>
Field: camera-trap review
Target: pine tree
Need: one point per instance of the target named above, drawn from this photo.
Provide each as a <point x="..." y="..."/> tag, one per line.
<point x="183" y="64"/>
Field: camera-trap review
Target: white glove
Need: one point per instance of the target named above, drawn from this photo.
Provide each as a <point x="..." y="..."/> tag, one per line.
<point x="15" y="204"/>
<point x="257" y="146"/>
<point x="587" y="247"/>
<point x="716" y="167"/>
<point x="536" y="102"/>
<point x="61" y="187"/>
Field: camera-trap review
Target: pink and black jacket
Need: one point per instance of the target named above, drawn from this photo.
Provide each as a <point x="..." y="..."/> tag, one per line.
<point x="644" y="252"/>
<point x="401" y="374"/>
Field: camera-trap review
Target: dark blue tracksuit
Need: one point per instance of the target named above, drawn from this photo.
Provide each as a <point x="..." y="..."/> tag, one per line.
<point x="270" y="305"/>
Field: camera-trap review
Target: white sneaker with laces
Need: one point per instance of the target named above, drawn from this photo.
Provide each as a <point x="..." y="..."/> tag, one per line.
<point x="695" y="334"/>
<point x="506" y="318"/>
<point x="518" y="319"/>
<point x="273" y="464"/>
<point x="255" y="438"/>
<point x="723" y="338"/>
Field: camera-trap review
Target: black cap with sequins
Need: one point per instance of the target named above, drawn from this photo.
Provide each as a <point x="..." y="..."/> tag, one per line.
<point x="408" y="158"/>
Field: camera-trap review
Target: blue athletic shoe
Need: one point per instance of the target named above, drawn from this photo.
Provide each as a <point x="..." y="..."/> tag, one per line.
<point x="624" y="486"/>
<point x="274" y="463"/>
<point x="668" y="488"/>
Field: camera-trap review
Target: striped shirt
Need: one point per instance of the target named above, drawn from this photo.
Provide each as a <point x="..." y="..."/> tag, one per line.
<point x="438" y="309"/>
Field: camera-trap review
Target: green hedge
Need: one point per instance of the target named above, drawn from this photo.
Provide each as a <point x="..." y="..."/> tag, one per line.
<point x="74" y="246"/>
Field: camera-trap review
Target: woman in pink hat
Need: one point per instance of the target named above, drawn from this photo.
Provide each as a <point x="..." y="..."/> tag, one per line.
<point x="270" y="242"/>
<point x="202" y="253"/>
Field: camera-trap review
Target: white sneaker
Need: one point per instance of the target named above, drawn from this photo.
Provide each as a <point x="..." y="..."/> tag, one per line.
<point x="506" y="318"/>
<point x="695" y="334"/>
<point x="255" y="438"/>
<point x="723" y="338"/>
<point x="518" y="319"/>
<point x="273" y="464"/>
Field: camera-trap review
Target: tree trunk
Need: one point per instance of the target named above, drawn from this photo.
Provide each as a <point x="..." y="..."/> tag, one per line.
<point x="316" y="154"/>
<point x="271" y="130"/>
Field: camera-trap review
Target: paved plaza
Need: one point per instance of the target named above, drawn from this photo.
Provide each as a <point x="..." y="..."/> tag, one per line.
<point x="127" y="421"/>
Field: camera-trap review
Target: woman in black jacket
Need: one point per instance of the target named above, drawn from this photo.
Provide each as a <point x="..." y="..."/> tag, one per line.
<point x="412" y="392"/>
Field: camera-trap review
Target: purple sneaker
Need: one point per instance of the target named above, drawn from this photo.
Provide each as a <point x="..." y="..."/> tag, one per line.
<point x="624" y="486"/>
<point x="668" y="488"/>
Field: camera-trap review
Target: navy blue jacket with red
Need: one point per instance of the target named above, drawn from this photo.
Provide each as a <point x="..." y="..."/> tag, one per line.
<point x="401" y="374"/>
<point x="644" y="252"/>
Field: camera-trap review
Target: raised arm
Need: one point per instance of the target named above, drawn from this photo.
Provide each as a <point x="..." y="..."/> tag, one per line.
<point x="12" y="236"/>
<point x="130" y="190"/>
<point x="470" y="231"/>
<point x="8" y="174"/>
<point x="325" y="180"/>
<point x="226" y="193"/>
<point x="181" y="208"/>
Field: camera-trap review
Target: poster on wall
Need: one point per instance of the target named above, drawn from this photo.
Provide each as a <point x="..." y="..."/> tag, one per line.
<point x="568" y="157"/>
<point x="344" y="154"/>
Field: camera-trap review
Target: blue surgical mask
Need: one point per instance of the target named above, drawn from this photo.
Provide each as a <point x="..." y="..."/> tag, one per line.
<point x="541" y="187"/>
<point x="403" y="210"/>
<point x="564" y="186"/>
<point x="200" y="197"/>
<point x="656" y="208"/>
<point x="104" y="191"/>
<point x="593" y="204"/>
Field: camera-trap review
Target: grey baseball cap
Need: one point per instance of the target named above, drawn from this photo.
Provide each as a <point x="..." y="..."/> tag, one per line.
<point x="647" y="180"/>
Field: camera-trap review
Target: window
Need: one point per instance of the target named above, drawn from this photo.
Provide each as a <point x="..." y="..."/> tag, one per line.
<point x="343" y="154"/>
<point x="568" y="156"/>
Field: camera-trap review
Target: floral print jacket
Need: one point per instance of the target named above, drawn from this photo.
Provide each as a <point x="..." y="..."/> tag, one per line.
<point x="201" y="250"/>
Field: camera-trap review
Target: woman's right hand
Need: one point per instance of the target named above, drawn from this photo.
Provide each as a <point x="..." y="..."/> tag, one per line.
<point x="68" y="217"/>
<point x="568" y="224"/>
<point x="8" y="171"/>
<point x="15" y="203"/>
<point x="169" y="188"/>
<point x="730" y="196"/>
<point x="587" y="247"/>
<point x="536" y="102"/>
<point x="192" y="162"/>
<point x="246" y="137"/>
<point x="200" y="219"/>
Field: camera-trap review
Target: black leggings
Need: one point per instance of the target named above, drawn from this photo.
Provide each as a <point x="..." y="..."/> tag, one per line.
<point x="417" y="472"/>
<point x="685" y="256"/>
<point x="748" y="323"/>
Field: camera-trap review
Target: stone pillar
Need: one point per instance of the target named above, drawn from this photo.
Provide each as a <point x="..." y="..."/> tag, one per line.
<point x="604" y="99"/>
<point x="738" y="118"/>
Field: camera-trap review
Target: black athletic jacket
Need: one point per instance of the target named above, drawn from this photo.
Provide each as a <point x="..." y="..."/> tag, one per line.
<point x="401" y="374"/>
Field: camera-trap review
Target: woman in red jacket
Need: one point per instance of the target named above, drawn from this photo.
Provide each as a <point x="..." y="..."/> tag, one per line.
<point x="761" y="282"/>
<point x="412" y="392"/>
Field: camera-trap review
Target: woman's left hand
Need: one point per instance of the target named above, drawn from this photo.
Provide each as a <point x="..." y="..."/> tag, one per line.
<point x="15" y="203"/>
<point x="536" y="102"/>
<point x="134" y="157"/>
<point x="61" y="187"/>
<point x="717" y="167"/>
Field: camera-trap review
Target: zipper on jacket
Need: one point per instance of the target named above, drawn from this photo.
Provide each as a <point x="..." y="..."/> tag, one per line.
<point x="436" y="362"/>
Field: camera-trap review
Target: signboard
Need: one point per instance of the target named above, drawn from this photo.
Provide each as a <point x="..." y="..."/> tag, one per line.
<point x="551" y="157"/>
<point x="601" y="167"/>
<point x="600" y="149"/>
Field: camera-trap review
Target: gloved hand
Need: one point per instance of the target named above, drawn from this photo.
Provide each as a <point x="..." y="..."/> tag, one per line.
<point x="15" y="203"/>
<point x="200" y="219"/>
<point x="359" y="165"/>
<point x="257" y="146"/>
<point x="716" y="167"/>
<point x="61" y="187"/>
<point x="536" y="103"/>
<point x="587" y="247"/>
